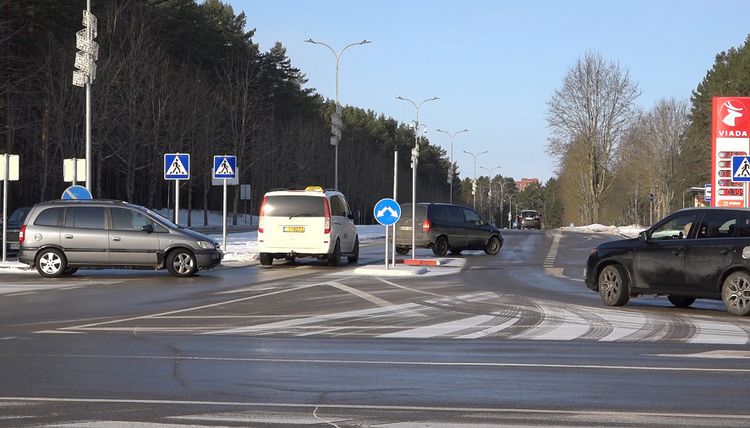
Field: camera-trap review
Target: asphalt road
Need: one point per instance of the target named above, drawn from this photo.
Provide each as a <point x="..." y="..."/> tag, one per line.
<point x="514" y="339"/>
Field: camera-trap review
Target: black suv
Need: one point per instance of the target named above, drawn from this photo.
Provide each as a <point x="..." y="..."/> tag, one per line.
<point x="692" y="253"/>
<point x="446" y="227"/>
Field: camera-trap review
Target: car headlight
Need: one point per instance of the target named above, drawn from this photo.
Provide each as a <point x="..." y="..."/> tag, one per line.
<point x="206" y="245"/>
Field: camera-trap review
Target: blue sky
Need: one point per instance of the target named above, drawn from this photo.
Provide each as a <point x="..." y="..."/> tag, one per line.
<point x="494" y="64"/>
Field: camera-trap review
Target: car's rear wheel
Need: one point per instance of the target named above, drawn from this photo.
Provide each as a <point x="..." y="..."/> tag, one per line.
<point x="735" y="293"/>
<point x="181" y="263"/>
<point x="402" y="250"/>
<point x="493" y="246"/>
<point x="613" y="286"/>
<point x="354" y="257"/>
<point x="51" y="263"/>
<point x="681" y="301"/>
<point x="440" y="247"/>
<point x="266" y="259"/>
<point x="456" y="251"/>
<point x="335" y="256"/>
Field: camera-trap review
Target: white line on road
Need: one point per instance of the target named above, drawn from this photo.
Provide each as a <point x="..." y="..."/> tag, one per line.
<point x="712" y="332"/>
<point x="440" y="329"/>
<point x="491" y="330"/>
<point x="361" y="294"/>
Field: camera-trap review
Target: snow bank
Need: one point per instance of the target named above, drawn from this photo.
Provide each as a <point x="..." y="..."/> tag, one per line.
<point x="630" y="231"/>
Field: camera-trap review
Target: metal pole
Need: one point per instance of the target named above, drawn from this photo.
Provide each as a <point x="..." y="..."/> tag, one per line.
<point x="224" y="218"/>
<point x="395" y="194"/>
<point x="453" y="173"/>
<point x="177" y="202"/>
<point x="88" y="111"/>
<point x="386" y="247"/>
<point x="5" y="206"/>
<point x="75" y="170"/>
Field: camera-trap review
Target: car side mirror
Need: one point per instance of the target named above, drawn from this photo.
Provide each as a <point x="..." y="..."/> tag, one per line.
<point x="148" y="228"/>
<point x="643" y="236"/>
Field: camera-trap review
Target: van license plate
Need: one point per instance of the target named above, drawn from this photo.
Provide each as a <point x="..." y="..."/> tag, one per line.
<point x="13" y="245"/>
<point x="405" y="227"/>
<point x="297" y="229"/>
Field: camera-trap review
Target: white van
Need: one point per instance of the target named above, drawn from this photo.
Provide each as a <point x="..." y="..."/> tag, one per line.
<point x="306" y="223"/>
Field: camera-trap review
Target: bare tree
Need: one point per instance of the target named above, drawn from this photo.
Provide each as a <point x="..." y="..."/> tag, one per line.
<point x="592" y="109"/>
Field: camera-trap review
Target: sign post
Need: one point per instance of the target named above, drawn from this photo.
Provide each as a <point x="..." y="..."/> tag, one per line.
<point x="8" y="172"/>
<point x="741" y="174"/>
<point x="176" y="167"/>
<point x="225" y="168"/>
<point x="246" y="195"/>
<point x="386" y="212"/>
<point x="74" y="170"/>
<point x="395" y="193"/>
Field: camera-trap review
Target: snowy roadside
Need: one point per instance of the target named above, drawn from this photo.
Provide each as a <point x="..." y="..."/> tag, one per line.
<point x="631" y="231"/>
<point x="242" y="248"/>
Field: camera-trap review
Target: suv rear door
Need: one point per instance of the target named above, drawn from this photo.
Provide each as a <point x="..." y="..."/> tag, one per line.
<point x="84" y="235"/>
<point x="711" y="251"/>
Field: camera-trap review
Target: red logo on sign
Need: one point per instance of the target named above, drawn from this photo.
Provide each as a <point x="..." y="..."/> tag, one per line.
<point x="733" y="118"/>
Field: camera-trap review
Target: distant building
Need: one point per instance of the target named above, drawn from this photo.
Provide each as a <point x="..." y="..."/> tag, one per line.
<point x="522" y="183"/>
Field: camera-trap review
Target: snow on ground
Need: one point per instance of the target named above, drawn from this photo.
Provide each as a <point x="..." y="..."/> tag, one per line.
<point x="243" y="247"/>
<point x="214" y="217"/>
<point x="631" y="231"/>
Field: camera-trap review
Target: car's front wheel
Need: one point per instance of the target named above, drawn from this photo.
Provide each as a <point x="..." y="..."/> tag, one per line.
<point x="735" y="293"/>
<point x="681" y="301"/>
<point x="613" y="286"/>
<point x="440" y="247"/>
<point x="493" y="246"/>
<point x="51" y="263"/>
<point x="181" y="263"/>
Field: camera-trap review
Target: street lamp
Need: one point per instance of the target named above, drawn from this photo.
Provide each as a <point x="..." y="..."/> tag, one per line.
<point x="475" y="174"/>
<point x="489" y="173"/>
<point x="414" y="158"/>
<point x="452" y="169"/>
<point x="336" y="119"/>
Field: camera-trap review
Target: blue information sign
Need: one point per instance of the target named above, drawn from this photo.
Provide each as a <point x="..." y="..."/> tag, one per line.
<point x="176" y="166"/>
<point x="741" y="168"/>
<point x="387" y="211"/>
<point x="225" y="167"/>
<point x="76" y="192"/>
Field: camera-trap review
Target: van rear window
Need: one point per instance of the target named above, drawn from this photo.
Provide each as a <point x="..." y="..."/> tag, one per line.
<point x="288" y="206"/>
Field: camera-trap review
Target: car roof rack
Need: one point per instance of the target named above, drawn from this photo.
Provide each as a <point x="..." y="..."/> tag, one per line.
<point x="74" y="201"/>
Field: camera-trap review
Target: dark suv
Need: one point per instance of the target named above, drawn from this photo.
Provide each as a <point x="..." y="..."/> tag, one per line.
<point x="446" y="227"/>
<point x="692" y="253"/>
<point x="531" y="219"/>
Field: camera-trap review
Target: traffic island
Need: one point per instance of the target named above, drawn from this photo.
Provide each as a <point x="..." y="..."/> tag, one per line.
<point x="380" y="270"/>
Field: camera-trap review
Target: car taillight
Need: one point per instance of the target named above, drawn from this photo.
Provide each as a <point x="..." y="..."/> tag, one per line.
<point x="262" y="215"/>
<point x="327" y="214"/>
<point x="426" y="225"/>
<point x="22" y="234"/>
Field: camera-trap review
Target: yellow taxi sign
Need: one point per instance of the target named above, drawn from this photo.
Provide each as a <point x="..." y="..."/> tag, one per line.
<point x="314" y="188"/>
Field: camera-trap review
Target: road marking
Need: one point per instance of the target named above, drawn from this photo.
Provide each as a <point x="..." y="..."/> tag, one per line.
<point x="293" y="323"/>
<point x="20" y="294"/>
<point x="490" y="330"/>
<point x="712" y="332"/>
<point x="195" y="308"/>
<point x="623" y="324"/>
<point x="361" y="294"/>
<point x="440" y="329"/>
<point x="556" y="324"/>
<point x="549" y="261"/>
<point x="625" y="414"/>
<point x="719" y="354"/>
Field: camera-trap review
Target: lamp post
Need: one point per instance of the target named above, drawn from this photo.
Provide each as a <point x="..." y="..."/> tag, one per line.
<point x="489" y="173"/>
<point x="502" y="197"/>
<point x="452" y="169"/>
<point x="414" y="158"/>
<point x="336" y="119"/>
<point x="475" y="173"/>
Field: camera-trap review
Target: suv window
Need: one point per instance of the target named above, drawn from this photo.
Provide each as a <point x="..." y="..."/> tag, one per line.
<point x="125" y="219"/>
<point x="85" y="217"/>
<point x="338" y="206"/>
<point x="744" y="225"/>
<point x="289" y="206"/>
<point x="49" y="217"/>
<point x="471" y="216"/>
<point x="438" y="213"/>
<point x="455" y="215"/>
<point x="677" y="228"/>
<point x="717" y="225"/>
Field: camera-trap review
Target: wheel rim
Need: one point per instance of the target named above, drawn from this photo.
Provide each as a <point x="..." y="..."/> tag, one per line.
<point x="442" y="246"/>
<point x="738" y="293"/>
<point x="50" y="263"/>
<point x="183" y="263"/>
<point x="493" y="245"/>
<point x="610" y="283"/>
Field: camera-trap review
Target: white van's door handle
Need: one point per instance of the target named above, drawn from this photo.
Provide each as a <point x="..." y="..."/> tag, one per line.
<point x="116" y="238"/>
<point x="68" y="236"/>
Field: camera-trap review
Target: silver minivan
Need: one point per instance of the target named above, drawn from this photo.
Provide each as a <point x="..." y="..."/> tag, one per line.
<point x="58" y="237"/>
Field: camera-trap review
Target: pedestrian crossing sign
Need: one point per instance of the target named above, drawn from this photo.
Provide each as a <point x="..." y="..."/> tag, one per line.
<point x="741" y="168"/>
<point x="176" y="166"/>
<point x="225" y="167"/>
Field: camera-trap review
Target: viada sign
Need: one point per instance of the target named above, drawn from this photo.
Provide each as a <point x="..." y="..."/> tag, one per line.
<point x="729" y="137"/>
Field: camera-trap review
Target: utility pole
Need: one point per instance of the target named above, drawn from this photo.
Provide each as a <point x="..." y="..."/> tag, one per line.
<point x="452" y="172"/>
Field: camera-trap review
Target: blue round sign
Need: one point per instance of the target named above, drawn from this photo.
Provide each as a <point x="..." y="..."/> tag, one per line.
<point x="387" y="211"/>
<point x="76" y="192"/>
